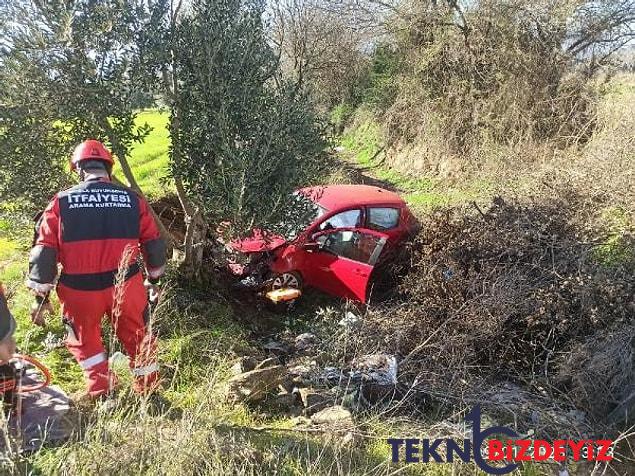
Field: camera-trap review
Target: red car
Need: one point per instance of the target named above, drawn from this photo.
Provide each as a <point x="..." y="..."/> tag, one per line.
<point x="353" y="228"/>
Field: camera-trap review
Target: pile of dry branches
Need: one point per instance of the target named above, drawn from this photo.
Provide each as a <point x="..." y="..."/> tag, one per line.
<point x="513" y="294"/>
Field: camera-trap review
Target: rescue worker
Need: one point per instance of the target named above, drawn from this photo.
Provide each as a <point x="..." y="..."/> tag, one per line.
<point x="89" y="229"/>
<point x="7" y="327"/>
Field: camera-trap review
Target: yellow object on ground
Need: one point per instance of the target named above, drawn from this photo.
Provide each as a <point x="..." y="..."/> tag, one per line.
<point x="284" y="294"/>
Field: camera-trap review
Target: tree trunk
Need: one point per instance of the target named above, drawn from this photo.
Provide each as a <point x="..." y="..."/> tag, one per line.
<point x="120" y="152"/>
<point x="195" y="237"/>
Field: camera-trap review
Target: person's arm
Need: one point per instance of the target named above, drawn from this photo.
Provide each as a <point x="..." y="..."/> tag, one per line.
<point x="153" y="246"/>
<point x="7" y="328"/>
<point x="43" y="261"/>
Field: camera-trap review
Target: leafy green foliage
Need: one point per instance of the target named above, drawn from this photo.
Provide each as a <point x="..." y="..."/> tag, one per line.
<point x="246" y="138"/>
<point x="381" y="84"/>
<point x="68" y="72"/>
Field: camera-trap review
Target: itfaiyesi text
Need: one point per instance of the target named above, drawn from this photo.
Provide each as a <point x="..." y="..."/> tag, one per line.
<point x="95" y="196"/>
<point x="99" y="199"/>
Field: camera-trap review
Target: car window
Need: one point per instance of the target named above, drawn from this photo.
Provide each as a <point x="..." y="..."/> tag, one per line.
<point x="383" y="218"/>
<point x="347" y="219"/>
<point x="352" y="245"/>
<point x="301" y="212"/>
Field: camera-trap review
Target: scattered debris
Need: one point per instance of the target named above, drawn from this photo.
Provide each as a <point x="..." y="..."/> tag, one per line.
<point x="254" y="385"/>
<point x="332" y="376"/>
<point x="314" y="400"/>
<point x="351" y="321"/>
<point x="305" y="341"/>
<point x="52" y="341"/>
<point x="244" y="364"/>
<point x="336" y="414"/>
<point x="270" y="362"/>
<point x="379" y="369"/>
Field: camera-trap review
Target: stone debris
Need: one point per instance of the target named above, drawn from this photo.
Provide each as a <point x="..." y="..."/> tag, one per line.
<point x="305" y="341"/>
<point x="335" y="414"/>
<point x="270" y="362"/>
<point x="379" y="369"/>
<point x="314" y="400"/>
<point x="244" y="364"/>
<point x="254" y="385"/>
<point x="350" y="321"/>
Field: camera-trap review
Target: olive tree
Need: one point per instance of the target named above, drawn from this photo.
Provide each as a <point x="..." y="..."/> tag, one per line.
<point x="68" y="71"/>
<point x="242" y="137"/>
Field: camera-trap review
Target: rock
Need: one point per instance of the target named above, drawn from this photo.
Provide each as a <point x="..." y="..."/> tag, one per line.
<point x="304" y="374"/>
<point x="118" y="359"/>
<point x="377" y="375"/>
<point x="332" y="376"/>
<point x="282" y="402"/>
<point x="287" y="385"/>
<point x="336" y="414"/>
<point x="380" y="369"/>
<point x="305" y="341"/>
<point x="277" y="347"/>
<point x="349" y="439"/>
<point x="270" y="362"/>
<point x="254" y="385"/>
<point x="350" y="321"/>
<point x="313" y="400"/>
<point x="244" y="364"/>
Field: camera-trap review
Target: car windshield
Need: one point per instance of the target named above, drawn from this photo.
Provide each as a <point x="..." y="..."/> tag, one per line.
<point x="302" y="212"/>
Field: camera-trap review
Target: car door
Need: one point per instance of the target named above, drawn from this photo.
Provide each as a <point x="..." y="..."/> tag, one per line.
<point x="342" y="263"/>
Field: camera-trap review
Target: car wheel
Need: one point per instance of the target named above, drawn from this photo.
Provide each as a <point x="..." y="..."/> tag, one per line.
<point x="289" y="279"/>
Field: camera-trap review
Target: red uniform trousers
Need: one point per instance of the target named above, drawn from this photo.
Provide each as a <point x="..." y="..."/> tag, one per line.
<point x="83" y="312"/>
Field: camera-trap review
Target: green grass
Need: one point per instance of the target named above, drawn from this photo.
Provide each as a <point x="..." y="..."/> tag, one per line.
<point x="363" y="147"/>
<point x="617" y="247"/>
<point x="149" y="160"/>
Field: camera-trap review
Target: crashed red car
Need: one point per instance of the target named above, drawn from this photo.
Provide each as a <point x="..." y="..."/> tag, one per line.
<point x="353" y="228"/>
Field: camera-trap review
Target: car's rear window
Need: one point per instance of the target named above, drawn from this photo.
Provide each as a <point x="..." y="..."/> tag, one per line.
<point x="383" y="218"/>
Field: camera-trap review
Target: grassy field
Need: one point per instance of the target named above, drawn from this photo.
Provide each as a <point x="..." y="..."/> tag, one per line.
<point x="149" y="160"/>
<point x="201" y="332"/>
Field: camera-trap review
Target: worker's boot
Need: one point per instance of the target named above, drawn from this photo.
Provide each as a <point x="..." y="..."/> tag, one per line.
<point x="84" y="402"/>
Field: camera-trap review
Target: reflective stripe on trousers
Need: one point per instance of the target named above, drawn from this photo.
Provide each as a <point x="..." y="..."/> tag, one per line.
<point x="93" y="360"/>
<point x="145" y="370"/>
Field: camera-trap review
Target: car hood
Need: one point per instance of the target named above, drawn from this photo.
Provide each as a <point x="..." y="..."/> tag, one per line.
<point x="257" y="242"/>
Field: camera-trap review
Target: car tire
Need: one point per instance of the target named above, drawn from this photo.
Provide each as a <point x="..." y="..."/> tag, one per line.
<point x="288" y="279"/>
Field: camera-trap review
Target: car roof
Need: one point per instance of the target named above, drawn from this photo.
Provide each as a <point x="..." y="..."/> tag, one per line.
<point x="333" y="197"/>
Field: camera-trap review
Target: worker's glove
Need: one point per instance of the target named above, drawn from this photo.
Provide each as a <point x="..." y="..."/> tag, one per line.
<point x="154" y="290"/>
<point x="7" y="349"/>
<point x="40" y="308"/>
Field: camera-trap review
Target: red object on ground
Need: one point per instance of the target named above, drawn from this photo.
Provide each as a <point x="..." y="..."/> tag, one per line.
<point x="8" y="385"/>
<point x="338" y="251"/>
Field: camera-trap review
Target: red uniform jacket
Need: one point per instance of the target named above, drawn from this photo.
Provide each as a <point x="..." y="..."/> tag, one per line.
<point x="87" y="229"/>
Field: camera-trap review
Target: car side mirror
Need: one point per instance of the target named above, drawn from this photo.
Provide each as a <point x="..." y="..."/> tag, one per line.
<point x="311" y="246"/>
